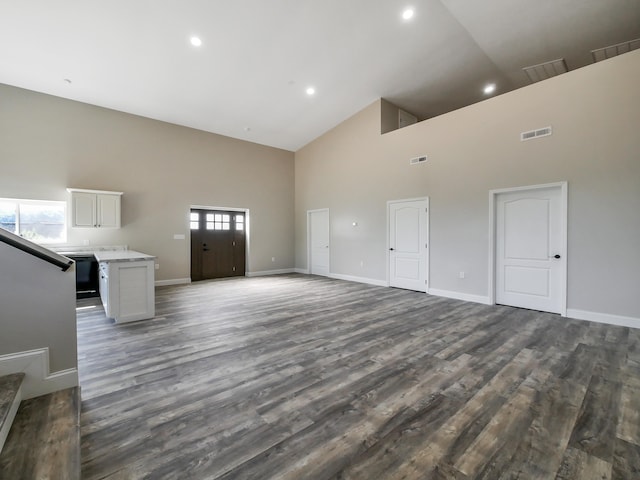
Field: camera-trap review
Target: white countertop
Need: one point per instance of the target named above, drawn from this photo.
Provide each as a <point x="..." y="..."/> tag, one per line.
<point x="121" y="256"/>
<point x="87" y="249"/>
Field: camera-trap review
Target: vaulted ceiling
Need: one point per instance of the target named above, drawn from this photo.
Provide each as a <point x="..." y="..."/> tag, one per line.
<point x="249" y="77"/>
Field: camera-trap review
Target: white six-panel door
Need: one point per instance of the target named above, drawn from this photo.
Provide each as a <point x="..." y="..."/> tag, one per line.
<point x="319" y="251"/>
<point x="408" y="249"/>
<point x="530" y="252"/>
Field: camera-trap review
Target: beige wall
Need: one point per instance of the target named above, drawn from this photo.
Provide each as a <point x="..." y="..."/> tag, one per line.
<point x="388" y="116"/>
<point x="595" y="146"/>
<point x="48" y="144"/>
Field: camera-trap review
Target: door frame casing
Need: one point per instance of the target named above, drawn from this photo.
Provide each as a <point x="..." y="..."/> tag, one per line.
<point x="309" y="212"/>
<point x="428" y="254"/>
<point x="247" y="236"/>
<point x="493" y="195"/>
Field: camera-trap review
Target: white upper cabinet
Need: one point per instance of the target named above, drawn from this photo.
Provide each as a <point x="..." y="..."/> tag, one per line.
<point x="95" y="208"/>
<point x="83" y="209"/>
<point x="108" y="209"/>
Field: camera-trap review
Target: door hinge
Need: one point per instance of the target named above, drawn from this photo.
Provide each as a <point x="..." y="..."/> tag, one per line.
<point x="426" y="245"/>
<point x="426" y="210"/>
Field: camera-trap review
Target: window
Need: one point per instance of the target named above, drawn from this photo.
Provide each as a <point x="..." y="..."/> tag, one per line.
<point x="239" y="222"/>
<point x="40" y="221"/>
<point x="194" y="220"/>
<point x="218" y="221"/>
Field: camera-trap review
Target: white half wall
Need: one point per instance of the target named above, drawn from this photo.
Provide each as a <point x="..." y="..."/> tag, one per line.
<point x="38" y="378"/>
<point x="37" y="308"/>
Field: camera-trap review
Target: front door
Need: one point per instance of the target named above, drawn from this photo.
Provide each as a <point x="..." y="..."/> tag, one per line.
<point x="408" y="248"/>
<point x="530" y="255"/>
<point x="319" y="252"/>
<point x="217" y="244"/>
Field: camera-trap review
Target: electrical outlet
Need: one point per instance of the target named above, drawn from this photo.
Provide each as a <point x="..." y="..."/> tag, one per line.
<point x="361" y="263"/>
<point x="273" y="259"/>
<point x="461" y="274"/>
<point x="157" y="266"/>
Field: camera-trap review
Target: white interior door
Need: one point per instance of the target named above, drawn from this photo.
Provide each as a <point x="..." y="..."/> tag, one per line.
<point x="408" y="248"/>
<point x="530" y="249"/>
<point x="319" y="251"/>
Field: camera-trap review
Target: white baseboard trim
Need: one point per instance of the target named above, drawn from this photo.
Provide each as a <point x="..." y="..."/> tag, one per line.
<point x="604" y="318"/>
<point x="467" y="297"/>
<point x="351" y="278"/>
<point x="6" y="426"/>
<point x="304" y="271"/>
<point x="38" y="379"/>
<point x="173" y="281"/>
<point x="264" y="273"/>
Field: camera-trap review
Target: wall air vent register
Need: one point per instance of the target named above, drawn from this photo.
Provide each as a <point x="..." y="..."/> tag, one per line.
<point x="531" y="134"/>
<point x="417" y="160"/>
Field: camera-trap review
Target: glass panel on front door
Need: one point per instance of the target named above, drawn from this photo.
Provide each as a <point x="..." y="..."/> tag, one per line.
<point x="194" y="220"/>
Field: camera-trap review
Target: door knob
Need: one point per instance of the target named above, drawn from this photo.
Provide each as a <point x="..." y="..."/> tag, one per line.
<point x="556" y="256"/>
<point x="391" y="249"/>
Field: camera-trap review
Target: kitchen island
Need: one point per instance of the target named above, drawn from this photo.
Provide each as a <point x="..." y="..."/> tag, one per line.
<point x="127" y="284"/>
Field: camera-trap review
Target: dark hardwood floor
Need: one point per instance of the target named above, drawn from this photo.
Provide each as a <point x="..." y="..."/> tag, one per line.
<point x="44" y="441"/>
<point x="302" y="377"/>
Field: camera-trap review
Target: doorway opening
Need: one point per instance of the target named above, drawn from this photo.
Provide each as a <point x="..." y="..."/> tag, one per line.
<point x="218" y="243"/>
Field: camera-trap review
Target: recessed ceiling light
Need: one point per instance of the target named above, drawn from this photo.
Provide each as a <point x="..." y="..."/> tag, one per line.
<point x="247" y="129"/>
<point x="311" y="91"/>
<point x="490" y="88"/>
<point x="67" y="81"/>
<point x="407" y="14"/>
<point x="195" y="41"/>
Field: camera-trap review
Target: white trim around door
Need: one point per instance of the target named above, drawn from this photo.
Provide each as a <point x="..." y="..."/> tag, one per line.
<point x="408" y="244"/>
<point x="560" y="249"/>
<point x="318" y="242"/>
<point x="247" y="221"/>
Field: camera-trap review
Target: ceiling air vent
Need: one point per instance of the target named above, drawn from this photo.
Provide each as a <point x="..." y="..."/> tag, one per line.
<point x="544" y="71"/>
<point x="540" y="132"/>
<point x="614" y="50"/>
<point x="417" y="160"/>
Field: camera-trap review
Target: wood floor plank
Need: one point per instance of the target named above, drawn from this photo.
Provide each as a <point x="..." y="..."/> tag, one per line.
<point x="595" y="433"/>
<point x="305" y="377"/>
<point x="554" y="412"/>
<point x="578" y="464"/>
<point x="499" y="434"/>
<point x="628" y="428"/>
<point x="457" y="433"/>
<point x="386" y="455"/>
<point x="43" y="443"/>
<point x="626" y="461"/>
